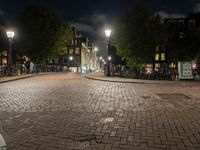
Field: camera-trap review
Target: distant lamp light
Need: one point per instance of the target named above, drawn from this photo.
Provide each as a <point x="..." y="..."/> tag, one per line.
<point x="100" y="58"/>
<point x="194" y="66"/>
<point x="95" y="49"/>
<point x="109" y="58"/>
<point x="108" y="32"/>
<point x="70" y="58"/>
<point x="10" y="34"/>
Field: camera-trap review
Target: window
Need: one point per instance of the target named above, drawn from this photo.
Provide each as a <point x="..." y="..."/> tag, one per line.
<point x="65" y="60"/>
<point x="181" y="23"/>
<point x="162" y="56"/>
<point x="71" y="51"/>
<point x="72" y="42"/>
<point x="157" y="48"/>
<point x="172" y="65"/>
<point x="77" y="60"/>
<point x="157" y="56"/>
<point x="77" y="50"/>
<point x="181" y="35"/>
<point x="192" y="23"/>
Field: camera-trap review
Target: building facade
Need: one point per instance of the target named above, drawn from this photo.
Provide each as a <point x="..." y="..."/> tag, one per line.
<point x="80" y="56"/>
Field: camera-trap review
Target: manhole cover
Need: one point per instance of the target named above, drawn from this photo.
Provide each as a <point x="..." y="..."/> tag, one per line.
<point x="173" y="96"/>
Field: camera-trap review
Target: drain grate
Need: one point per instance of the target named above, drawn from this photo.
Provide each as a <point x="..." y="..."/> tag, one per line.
<point x="173" y="96"/>
<point x="145" y="97"/>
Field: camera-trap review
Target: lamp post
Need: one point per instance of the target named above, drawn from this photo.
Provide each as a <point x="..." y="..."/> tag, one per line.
<point x="10" y="36"/>
<point x="108" y="34"/>
<point x="100" y="62"/>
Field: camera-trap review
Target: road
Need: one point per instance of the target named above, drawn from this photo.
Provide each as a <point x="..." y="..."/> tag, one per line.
<point x="67" y="111"/>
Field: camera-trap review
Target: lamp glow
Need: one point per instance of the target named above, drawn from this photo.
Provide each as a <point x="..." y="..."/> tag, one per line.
<point x="70" y="58"/>
<point x="108" y="33"/>
<point x="10" y="34"/>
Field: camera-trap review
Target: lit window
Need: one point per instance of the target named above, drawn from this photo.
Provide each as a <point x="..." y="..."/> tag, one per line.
<point x="77" y="50"/>
<point x="172" y="65"/>
<point x="157" y="56"/>
<point x="162" y="56"/>
<point x="71" y="51"/>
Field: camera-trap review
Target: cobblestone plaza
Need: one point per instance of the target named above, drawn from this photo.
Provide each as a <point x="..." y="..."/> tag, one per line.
<point x="68" y="111"/>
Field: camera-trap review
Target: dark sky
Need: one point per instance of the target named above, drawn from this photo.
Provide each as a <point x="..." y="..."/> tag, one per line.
<point x="73" y="9"/>
<point x="91" y="16"/>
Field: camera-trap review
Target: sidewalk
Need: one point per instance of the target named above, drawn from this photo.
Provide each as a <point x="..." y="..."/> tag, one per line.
<point x="101" y="77"/>
<point x="18" y="77"/>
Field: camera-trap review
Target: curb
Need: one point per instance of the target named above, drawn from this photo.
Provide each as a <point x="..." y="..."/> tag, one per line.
<point x="24" y="77"/>
<point x="3" y="145"/>
<point x="105" y="80"/>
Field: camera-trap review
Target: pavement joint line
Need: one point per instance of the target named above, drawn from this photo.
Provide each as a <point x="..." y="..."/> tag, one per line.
<point x="105" y="80"/>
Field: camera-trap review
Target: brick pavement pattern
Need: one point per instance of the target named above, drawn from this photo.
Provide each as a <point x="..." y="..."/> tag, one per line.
<point x="67" y="111"/>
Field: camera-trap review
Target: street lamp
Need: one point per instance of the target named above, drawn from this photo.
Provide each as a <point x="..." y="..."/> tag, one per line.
<point x="109" y="58"/>
<point x="95" y="49"/>
<point x="108" y="34"/>
<point x="70" y="58"/>
<point x="10" y="36"/>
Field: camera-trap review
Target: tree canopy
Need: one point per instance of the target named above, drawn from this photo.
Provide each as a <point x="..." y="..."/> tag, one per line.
<point x="3" y="37"/>
<point x="41" y="33"/>
<point x="137" y="34"/>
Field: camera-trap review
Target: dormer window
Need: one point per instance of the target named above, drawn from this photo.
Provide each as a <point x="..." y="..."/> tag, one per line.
<point x="192" y="23"/>
<point x="181" y="23"/>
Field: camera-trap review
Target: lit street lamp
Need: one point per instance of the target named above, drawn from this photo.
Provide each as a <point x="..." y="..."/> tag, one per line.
<point x="70" y="58"/>
<point x="108" y="34"/>
<point x="10" y="35"/>
<point x="95" y="49"/>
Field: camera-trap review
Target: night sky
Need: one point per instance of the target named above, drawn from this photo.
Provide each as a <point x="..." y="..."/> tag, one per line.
<point x="91" y="16"/>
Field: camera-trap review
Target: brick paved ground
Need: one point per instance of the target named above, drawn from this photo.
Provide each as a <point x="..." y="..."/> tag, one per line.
<point x="68" y="111"/>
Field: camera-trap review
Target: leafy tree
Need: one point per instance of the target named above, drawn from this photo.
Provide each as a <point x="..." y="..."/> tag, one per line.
<point x="137" y="34"/>
<point x="41" y="34"/>
<point x="3" y="37"/>
<point x="63" y="35"/>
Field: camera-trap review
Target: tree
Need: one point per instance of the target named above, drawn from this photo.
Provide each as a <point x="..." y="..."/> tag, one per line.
<point x="3" y="37"/>
<point x="63" y="35"/>
<point x="137" y="34"/>
<point x="41" y="34"/>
